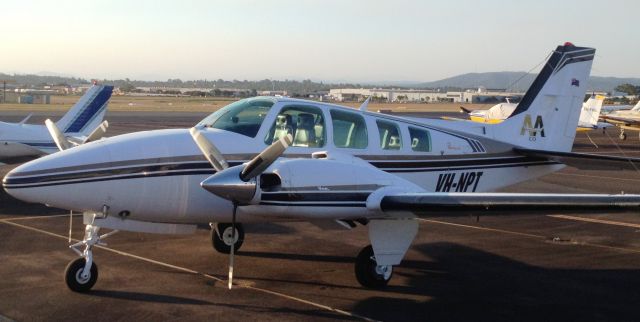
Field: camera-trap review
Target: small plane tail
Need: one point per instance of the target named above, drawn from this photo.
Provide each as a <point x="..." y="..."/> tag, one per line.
<point x="465" y="110"/>
<point x="636" y="107"/>
<point x="547" y="116"/>
<point x="88" y="112"/>
<point x="591" y="111"/>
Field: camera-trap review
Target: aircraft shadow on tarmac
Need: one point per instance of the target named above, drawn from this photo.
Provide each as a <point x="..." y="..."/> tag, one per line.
<point x="471" y="284"/>
<point x="146" y="297"/>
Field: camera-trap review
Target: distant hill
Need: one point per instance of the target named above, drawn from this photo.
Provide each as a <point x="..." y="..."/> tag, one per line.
<point x="518" y="81"/>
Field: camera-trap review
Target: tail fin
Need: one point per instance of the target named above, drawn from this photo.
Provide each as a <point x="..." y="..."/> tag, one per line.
<point x="547" y="116"/>
<point x="591" y="111"/>
<point x="465" y="110"/>
<point x="88" y="112"/>
<point x="636" y="107"/>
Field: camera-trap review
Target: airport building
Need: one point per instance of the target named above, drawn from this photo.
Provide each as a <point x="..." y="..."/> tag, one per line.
<point x="480" y="95"/>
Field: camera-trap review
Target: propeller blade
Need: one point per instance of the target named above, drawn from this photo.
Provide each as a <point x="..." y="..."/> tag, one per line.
<point x="263" y="160"/>
<point x="70" y="224"/>
<point x="233" y="245"/>
<point x="57" y="136"/>
<point x="209" y="150"/>
<point x="97" y="133"/>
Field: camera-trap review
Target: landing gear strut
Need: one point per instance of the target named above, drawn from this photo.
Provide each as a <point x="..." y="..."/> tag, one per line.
<point x="369" y="273"/>
<point x="221" y="237"/>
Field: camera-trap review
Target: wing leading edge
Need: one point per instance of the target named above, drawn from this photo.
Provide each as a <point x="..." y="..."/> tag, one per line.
<point x="452" y="204"/>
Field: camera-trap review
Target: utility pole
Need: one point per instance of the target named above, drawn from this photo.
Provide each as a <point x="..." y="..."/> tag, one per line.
<point x="4" y="88"/>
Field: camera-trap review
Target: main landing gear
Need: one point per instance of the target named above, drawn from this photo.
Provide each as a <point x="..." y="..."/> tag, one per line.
<point x="369" y="273"/>
<point x="221" y="237"/>
<point x="82" y="273"/>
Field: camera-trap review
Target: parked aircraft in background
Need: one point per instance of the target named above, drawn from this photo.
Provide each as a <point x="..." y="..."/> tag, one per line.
<point x="624" y="119"/>
<point x="330" y="165"/>
<point x="499" y="112"/>
<point x="81" y="124"/>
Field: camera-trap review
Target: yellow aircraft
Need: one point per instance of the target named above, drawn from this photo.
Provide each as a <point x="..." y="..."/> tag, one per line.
<point x="499" y="112"/>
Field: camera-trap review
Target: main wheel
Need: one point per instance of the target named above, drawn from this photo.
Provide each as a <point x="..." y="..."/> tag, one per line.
<point x="369" y="273"/>
<point x="222" y="242"/>
<point x="73" y="276"/>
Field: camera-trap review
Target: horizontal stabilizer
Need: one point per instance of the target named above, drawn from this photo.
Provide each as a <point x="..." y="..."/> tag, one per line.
<point x="584" y="160"/>
<point x="452" y="204"/>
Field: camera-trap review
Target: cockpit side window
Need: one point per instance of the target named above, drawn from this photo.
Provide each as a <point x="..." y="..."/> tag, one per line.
<point x="304" y="123"/>
<point x="389" y="135"/>
<point x="420" y="139"/>
<point x="349" y="130"/>
<point x="243" y="117"/>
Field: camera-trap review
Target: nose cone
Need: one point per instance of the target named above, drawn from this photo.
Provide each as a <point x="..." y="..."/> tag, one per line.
<point x="228" y="185"/>
<point x="45" y="180"/>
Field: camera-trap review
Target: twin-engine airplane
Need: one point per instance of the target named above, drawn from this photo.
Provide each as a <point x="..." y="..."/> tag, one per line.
<point x="589" y="114"/>
<point x="322" y="163"/>
<point x="625" y="120"/>
<point x="81" y="124"/>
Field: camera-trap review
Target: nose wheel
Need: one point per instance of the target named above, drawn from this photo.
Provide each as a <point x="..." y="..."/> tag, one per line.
<point x="222" y="237"/>
<point x="82" y="273"/>
<point x="369" y="273"/>
<point x="77" y="278"/>
<point x="622" y="136"/>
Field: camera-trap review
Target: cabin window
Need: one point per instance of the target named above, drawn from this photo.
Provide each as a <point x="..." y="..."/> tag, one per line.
<point x="349" y="130"/>
<point x="304" y="123"/>
<point x="389" y="135"/>
<point x="420" y="139"/>
<point x="243" y="117"/>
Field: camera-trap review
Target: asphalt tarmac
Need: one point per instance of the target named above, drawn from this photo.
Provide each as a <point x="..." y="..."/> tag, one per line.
<point x="529" y="267"/>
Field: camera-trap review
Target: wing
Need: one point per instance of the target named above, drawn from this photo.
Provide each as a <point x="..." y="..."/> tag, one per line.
<point x="620" y="120"/>
<point x="584" y="160"/>
<point x="455" y="204"/>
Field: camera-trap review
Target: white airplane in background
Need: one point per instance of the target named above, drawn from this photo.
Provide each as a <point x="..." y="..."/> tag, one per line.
<point x="588" y="120"/>
<point x="81" y="124"/>
<point x="625" y="120"/>
<point x="330" y="165"/>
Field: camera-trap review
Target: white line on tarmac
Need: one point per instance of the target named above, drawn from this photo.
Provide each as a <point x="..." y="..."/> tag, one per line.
<point x="623" y="249"/>
<point x="40" y="217"/>
<point x="243" y="285"/>
<point x="598" y="221"/>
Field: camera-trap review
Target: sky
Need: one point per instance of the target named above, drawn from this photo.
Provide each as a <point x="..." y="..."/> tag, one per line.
<point x="354" y="41"/>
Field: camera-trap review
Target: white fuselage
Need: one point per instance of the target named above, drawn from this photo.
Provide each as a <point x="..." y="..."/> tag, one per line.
<point x="155" y="175"/>
<point x="18" y="140"/>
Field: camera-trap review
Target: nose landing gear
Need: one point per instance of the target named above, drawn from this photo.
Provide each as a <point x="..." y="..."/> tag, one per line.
<point x="82" y="273"/>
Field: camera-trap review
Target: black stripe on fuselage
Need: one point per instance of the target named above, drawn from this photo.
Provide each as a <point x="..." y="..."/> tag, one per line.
<point x="204" y="168"/>
<point x="315" y="196"/>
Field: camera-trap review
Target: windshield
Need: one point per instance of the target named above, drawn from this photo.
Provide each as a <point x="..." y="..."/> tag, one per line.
<point x="243" y="117"/>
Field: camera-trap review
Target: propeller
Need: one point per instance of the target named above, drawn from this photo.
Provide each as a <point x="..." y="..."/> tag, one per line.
<point x="56" y="134"/>
<point x="263" y="160"/>
<point x="236" y="183"/>
<point x="209" y="150"/>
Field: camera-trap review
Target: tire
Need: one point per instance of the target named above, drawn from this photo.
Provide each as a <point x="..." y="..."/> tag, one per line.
<point x="366" y="272"/>
<point x="74" y="280"/>
<point x="219" y="244"/>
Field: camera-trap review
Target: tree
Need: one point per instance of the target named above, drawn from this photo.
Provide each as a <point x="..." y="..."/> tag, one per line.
<point x="630" y="89"/>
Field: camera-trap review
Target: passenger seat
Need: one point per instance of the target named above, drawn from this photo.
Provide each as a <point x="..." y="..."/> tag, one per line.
<point x="305" y="133"/>
<point x="283" y="127"/>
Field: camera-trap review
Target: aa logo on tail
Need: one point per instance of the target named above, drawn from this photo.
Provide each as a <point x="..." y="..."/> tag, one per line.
<point x="537" y="127"/>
